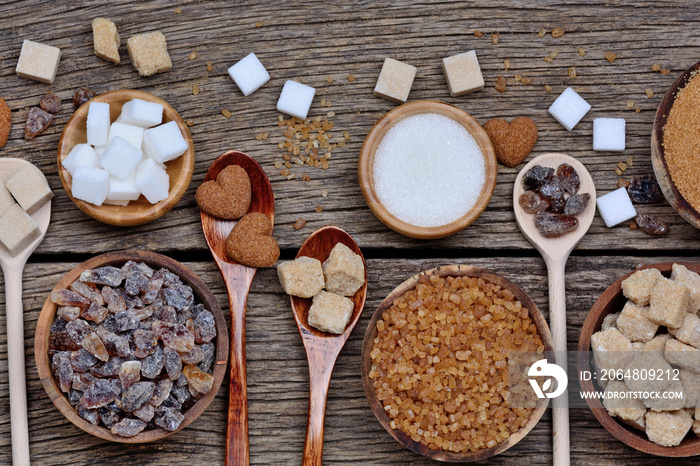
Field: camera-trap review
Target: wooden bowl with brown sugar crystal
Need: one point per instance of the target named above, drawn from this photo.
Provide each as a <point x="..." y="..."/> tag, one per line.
<point x="372" y="349"/>
<point x="140" y="211"/>
<point x="674" y="159"/>
<point x="612" y="300"/>
<point x="368" y="183"/>
<point x="202" y="295"/>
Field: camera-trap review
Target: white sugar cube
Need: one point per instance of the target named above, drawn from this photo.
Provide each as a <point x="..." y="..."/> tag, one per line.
<point x="91" y="185"/>
<point x="29" y="188"/>
<point x="569" y="108"/>
<point x="123" y="190"/>
<point x="98" y="123"/>
<point x="609" y="134"/>
<point x="141" y="113"/>
<point x="295" y="99"/>
<point x="132" y="134"/>
<point x="82" y="155"/>
<point x="100" y="149"/>
<point x="249" y="74"/>
<point x="38" y="61"/>
<point x="152" y="181"/>
<point x="616" y="207"/>
<point x="164" y="143"/>
<point x="120" y="158"/>
<point x="6" y="200"/>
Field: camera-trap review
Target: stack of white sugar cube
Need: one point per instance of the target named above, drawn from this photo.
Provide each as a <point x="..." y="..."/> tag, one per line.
<point x="124" y="159"/>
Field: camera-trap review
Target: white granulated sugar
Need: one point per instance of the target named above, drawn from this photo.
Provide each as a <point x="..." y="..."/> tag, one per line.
<point x="428" y="170"/>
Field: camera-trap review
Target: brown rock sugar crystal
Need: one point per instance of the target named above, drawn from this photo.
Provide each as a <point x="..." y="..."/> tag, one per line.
<point x="681" y="141"/>
<point x="440" y="362"/>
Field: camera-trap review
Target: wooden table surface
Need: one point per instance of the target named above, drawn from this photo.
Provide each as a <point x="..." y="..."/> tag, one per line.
<point x="309" y="41"/>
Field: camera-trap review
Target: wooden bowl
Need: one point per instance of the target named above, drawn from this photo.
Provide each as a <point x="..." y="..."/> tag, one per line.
<point x="366" y="168"/>
<point x="371" y="334"/>
<point x="612" y="300"/>
<point x="140" y="211"/>
<point x="118" y="258"/>
<point x="658" y="159"/>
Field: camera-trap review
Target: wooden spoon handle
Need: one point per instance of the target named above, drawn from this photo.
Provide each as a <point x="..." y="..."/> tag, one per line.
<point x="320" y="370"/>
<point x="557" y="324"/>
<point x="15" y="356"/>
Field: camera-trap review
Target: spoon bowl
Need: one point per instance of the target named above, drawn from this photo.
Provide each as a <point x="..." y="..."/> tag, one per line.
<point x="322" y="348"/>
<point x="555" y="252"/>
<point x="12" y="268"/>
<point x="238" y="279"/>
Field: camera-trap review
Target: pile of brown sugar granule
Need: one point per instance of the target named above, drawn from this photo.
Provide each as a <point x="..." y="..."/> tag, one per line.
<point x="681" y="142"/>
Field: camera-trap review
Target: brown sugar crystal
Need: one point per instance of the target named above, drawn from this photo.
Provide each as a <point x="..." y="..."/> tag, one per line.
<point x="501" y="84"/>
<point x="106" y="39"/>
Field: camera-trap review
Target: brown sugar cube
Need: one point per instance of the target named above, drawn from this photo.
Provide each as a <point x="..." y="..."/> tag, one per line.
<point x="682" y="355"/>
<point x="395" y="81"/>
<point x="301" y="277"/>
<point x="690" y="280"/>
<point x="668" y="428"/>
<point x="658" y="343"/>
<point x="666" y="399"/>
<point x="611" y="349"/>
<point x="330" y="312"/>
<point x="668" y="303"/>
<point x="620" y="406"/>
<point x="106" y="39"/>
<point x="648" y="361"/>
<point x="634" y="325"/>
<point x="6" y="200"/>
<point x="38" y="61"/>
<point x="638" y="423"/>
<point x="149" y="53"/>
<point x="638" y="346"/>
<point x="691" y="387"/>
<point x="637" y="286"/>
<point x="696" y="424"/>
<point x="344" y="271"/>
<point x="463" y="73"/>
<point x="17" y="229"/>
<point x="30" y="188"/>
<point x="689" y="331"/>
<point x="610" y="321"/>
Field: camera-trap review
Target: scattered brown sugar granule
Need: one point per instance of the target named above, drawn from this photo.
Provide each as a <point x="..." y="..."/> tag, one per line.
<point x="581" y="51"/>
<point x="226" y="113"/>
<point x="329" y="79"/>
<point x="494" y="38"/>
<point x="572" y="72"/>
<point x="622" y="183"/>
<point x="351" y="77"/>
<point x="299" y="224"/>
<point x="324" y="193"/>
<point x="318" y="209"/>
<point x="665" y="71"/>
<point x="261" y="136"/>
<point x="478" y="33"/>
<point x="637" y="109"/>
<point x="630" y="161"/>
<point x="633" y="225"/>
<point x="681" y="141"/>
<point x="440" y="363"/>
<point x="178" y="11"/>
<point x="542" y="32"/>
<point x="655" y="67"/>
<point x="210" y="67"/>
<point x="518" y="77"/>
<point x="622" y="166"/>
<point x="649" y="93"/>
<point x="190" y="122"/>
<point x="506" y="64"/>
<point x="610" y="56"/>
<point x="557" y="32"/>
<point x="630" y="104"/>
<point x="618" y="171"/>
<point x="548" y="88"/>
<point x="195" y="89"/>
<point x="500" y="84"/>
<point x="192" y="56"/>
<point x="259" y="24"/>
<point x="526" y="81"/>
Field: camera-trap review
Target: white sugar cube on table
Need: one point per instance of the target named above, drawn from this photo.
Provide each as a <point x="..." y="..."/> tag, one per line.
<point x="569" y="108"/>
<point x="249" y="74"/>
<point x="616" y="207"/>
<point x="609" y="134"/>
<point x="82" y="155"/>
<point x="29" y="188"/>
<point x="141" y="113"/>
<point x="463" y="73"/>
<point x="152" y="181"/>
<point x="38" y="61"/>
<point x="98" y="123"/>
<point x="91" y="185"/>
<point x="123" y="190"/>
<point x="132" y="134"/>
<point x="120" y="158"/>
<point x="296" y="99"/>
<point x="165" y="142"/>
<point x="395" y="81"/>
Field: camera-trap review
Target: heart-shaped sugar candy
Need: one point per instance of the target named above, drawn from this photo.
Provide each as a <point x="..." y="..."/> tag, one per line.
<point x="251" y="243"/>
<point x="512" y="141"/>
<point x="229" y="196"/>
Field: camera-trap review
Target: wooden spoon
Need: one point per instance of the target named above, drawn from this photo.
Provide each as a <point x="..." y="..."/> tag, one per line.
<point x="238" y="279"/>
<point x="12" y="268"/>
<point x="322" y="348"/>
<point x="555" y="252"/>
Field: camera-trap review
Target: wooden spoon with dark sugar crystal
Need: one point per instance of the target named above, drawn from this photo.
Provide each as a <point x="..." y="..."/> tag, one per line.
<point x="555" y="252"/>
<point x="238" y="279"/>
<point x="322" y="349"/>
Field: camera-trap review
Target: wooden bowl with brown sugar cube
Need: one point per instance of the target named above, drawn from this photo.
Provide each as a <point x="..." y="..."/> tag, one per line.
<point x="162" y="366"/>
<point x="139" y="211"/>
<point x="610" y="302"/>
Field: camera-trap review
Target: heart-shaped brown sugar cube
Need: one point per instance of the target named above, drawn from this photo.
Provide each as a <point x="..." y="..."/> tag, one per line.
<point x="228" y="197"/>
<point x="251" y="243"/>
<point x="512" y="141"/>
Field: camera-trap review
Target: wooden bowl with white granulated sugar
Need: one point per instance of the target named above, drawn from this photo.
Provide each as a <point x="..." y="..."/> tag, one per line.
<point x="427" y="169"/>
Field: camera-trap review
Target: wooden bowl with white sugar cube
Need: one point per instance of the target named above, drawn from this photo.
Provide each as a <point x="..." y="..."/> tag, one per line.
<point x="111" y="179"/>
